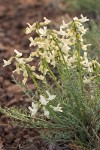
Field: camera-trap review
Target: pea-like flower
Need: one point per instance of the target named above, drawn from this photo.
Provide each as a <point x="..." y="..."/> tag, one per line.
<point x="45" y="22"/>
<point x="18" y="54"/>
<point x="30" y="28"/>
<point x="44" y="101"/>
<point x="57" y="108"/>
<point x="7" y="63"/>
<point x="46" y="112"/>
<point x="33" y="109"/>
<point x="50" y="97"/>
<point x="43" y="32"/>
<point x="83" y="19"/>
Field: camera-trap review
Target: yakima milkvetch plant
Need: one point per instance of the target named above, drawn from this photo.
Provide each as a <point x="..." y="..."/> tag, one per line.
<point x="67" y="81"/>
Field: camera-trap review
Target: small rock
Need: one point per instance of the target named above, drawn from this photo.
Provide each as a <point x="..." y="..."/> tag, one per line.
<point x="2" y="11"/>
<point x="7" y="83"/>
<point x="14" y="89"/>
<point x="32" y="147"/>
<point x="1" y="79"/>
<point x="51" y="146"/>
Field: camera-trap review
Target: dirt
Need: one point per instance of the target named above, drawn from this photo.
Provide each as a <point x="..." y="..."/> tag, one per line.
<point x="14" y="14"/>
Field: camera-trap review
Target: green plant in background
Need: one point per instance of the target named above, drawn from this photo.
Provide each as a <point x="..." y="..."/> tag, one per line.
<point x="67" y="108"/>
<point x="93" y="36"/>
<point x="89" y="6"/>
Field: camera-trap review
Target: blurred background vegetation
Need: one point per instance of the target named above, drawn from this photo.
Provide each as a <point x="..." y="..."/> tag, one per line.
<point x="86" y="6"/>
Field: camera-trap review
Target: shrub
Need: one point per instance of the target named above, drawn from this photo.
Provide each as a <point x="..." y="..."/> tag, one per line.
<point x="67" y="108"/>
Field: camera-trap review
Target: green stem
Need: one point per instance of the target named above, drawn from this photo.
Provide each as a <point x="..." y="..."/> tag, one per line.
<point x="22" y="88"/>
<point x="97" y="83"/>
<point x="79" y="60"/>
<point x="57" y="118"/>
<point x="47" y="84"/>
<point x="33" y="79"/>
<point x="81" y="124"/>
<point x="67" y="70"/>
<point x="79" y="66"/>
<point x="53" y="76"/>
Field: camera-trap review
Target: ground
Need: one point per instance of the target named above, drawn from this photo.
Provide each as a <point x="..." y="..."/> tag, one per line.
<point x="13" y="18"/>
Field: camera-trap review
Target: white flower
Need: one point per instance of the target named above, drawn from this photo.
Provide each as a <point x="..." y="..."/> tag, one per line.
<point x="6" y="63"/>
<point x="17" y="70"/>
<point x="50" y="97"/>
<point x="90" y="69"/>
<point x="65" y="48"/>
<point x="83" y="19"/>
<point x="43" y="100"/>
<point x="53" y="63"/>
<point x="85" y="54"/>
<point x="40" y="77"/>
<point x="57" y="108"/>
<point x="34" y="54"/>
<point x="95" y="63"/>
<point x="29" y="59"/>
<point x="43" y="69"/>
<point x="64" y="25"/>
<point x="86" y="63"/>
<point x="21" y="61"/>
<point x="32" y="42"/>
<point x="70" y="33"/>
<point x="86" y="80"/>
<point x="61" y="32"/>
<point x="30" y="28"/>
<point x="46" y="112"/>
<point x="45" y="55"/>
<point x="24" y="80"/>
<point x="82" y="29"/>
<point x="92" y="97"/>
<point x="71" y="60"/>
<point x="84" y="47"/>
<point x="43" y="31"/>
<point x="25" y="73"/>
<point x="47" y="21"/>
<point x="75" y="19"/>
<point x="18" y="53"/>
<point x="33" y="109"/>
<point x="32" y="68"/>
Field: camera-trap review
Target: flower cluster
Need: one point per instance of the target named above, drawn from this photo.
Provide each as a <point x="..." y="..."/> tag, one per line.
<point x="53" y="47"/>
<point x="44" y="104"/>
<point x="52" y="44"/>
<point x="21" y="64"/>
